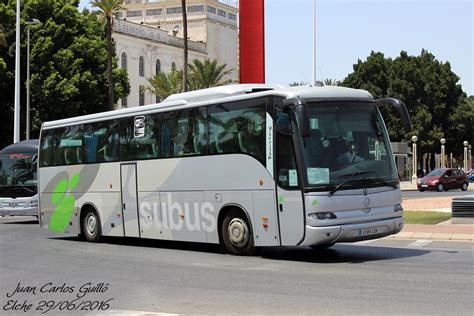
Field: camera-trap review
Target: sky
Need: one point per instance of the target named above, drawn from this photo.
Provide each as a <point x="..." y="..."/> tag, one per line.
<point x="347" y="31"/>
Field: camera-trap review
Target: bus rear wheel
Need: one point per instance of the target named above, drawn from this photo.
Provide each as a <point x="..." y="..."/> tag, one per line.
<point x="91" y="226"/>
<point x="236" y="234"/>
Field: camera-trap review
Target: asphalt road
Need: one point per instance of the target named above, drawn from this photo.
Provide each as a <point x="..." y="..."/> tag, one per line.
<point x="434" y="193"/>
<point x="381" y="277"/>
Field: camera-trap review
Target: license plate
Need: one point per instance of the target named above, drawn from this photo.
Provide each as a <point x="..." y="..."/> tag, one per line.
<point x="424" y="185"/>
<point x="368" y="231"/>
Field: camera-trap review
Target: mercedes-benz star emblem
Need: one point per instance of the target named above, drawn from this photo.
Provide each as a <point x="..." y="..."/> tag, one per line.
<point x="366" y="202"/>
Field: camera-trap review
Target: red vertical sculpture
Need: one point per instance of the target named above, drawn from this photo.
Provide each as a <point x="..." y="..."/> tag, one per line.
<point x="252" y="41"/>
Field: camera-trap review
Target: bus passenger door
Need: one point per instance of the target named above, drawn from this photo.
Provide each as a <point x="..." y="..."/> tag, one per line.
<point x="289" y="197"/>
<point x="128" y="176"/>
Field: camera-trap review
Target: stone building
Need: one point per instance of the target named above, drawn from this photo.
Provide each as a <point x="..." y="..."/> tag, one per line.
<point x="149" y="39"/>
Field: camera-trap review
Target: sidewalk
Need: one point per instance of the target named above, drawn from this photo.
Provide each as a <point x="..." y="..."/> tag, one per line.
<point x="441" y="231"/>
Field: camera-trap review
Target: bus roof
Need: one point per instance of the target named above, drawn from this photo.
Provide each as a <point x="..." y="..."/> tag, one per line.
<point x="220" y="94"/>
<point x="23" y="146"/>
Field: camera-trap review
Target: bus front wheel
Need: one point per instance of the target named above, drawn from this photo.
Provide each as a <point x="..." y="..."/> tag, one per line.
<point x="236" y="234"/>
<point x="91" y="226"/>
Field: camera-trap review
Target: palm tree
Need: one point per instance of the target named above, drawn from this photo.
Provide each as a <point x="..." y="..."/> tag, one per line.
<point x="108" y="9"/>
<point x="185" y="37"/>
<point x="207" y="74"/>
<point x="331" y="82"/>
<point x="298" y="83"/>
<point x="165" y="84"/>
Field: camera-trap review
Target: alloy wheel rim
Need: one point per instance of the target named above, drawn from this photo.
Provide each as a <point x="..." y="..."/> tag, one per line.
<point x="238" y="232"/>
<point x="91" y="224"/>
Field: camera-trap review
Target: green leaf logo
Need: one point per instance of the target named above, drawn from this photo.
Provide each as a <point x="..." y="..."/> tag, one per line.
<point x="64" y="202"/>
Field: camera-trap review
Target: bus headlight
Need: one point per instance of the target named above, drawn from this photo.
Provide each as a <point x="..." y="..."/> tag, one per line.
<point x="322" y="215"/>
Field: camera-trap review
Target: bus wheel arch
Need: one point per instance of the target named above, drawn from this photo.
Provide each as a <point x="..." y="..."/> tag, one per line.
<point x="90" y="223"/>
<point x="235" y="217"/>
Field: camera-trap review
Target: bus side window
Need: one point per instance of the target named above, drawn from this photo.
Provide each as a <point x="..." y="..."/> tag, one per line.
<point x="238" y="128"/>
<point x="184" y="133"/>
<point x="101" y="141"/>
<point x="139" y="146"/>
<point x="287" y="174"/>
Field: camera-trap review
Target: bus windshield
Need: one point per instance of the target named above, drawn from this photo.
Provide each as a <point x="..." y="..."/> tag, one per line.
<point x="17" y="175"/>
<point x="348" y="142"/>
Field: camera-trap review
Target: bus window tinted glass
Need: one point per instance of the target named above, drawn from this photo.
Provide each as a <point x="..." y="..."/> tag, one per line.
<point x="286" y="166"/>
<point x="101" y="141"/>
<point x="184" y="133"/>
<point x="69" y="150"/>
<point x="46" y="148"/>
<point x="238" y="128"/>
<point x="139" y="142"/>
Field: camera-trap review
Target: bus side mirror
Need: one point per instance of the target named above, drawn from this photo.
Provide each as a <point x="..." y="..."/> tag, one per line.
<point x="300" y="109"/>
<point x="402" y="111"/>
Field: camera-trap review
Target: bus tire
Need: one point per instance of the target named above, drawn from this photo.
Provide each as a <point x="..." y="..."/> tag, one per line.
<point x="91" y="225"/>
<point x="236" y="233"/>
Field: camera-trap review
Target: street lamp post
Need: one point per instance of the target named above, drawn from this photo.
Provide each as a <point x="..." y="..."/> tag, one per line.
<point x="16" y="113"/>
<point x="469" y="157"/>
<point x="443" y="163"/>
<point x="414" y="139"/>
<point x="465" y="143"/>
<point x="34" y="21"/>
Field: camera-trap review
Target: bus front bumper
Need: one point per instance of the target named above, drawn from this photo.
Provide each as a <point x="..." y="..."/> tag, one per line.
<point x="28" y="211"/>
<point x="352" y="232"/>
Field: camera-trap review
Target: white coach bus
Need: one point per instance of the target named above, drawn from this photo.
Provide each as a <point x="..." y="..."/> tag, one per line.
<point x="241" y="165"/>
<point x="18" y="183"/>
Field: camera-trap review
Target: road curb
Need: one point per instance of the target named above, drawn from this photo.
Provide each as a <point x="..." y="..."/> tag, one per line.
<point x="433" y="236"/>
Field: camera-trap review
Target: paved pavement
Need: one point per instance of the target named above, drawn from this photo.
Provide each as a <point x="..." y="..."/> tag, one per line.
<point x="442" y="231"/>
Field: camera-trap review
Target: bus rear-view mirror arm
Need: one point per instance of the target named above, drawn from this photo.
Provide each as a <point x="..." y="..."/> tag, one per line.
<point x="300" y="109"/>
<point x="401" y="108"/>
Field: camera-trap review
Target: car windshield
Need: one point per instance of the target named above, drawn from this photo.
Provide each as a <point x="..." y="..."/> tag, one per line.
<point x="435" y="173"/>
<point x="347" y="140"/>
<point x="17" y="174"/>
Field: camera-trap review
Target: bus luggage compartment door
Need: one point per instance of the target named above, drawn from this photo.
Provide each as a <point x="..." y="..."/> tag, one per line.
<point x="128" y="175"/>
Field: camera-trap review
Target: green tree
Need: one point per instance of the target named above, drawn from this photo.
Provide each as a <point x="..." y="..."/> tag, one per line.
<point x="429" y="88"/>
<point x="3" y="41"/>
<point x="108" y="9"/>
<point x="207" y="74"/>
<point x="165" y="84"/>
<point x="68" y="64"/>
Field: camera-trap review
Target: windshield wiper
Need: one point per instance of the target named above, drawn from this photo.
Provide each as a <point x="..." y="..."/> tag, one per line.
<point x="351" y="175"/>
<point x="18" y="187"/>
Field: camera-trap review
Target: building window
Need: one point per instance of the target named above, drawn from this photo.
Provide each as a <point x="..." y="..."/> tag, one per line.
<point x="232" y="16"/>
<point x="211" y="9"/>
<point x="157" y="99"/>
<point x="134" y="13"/>
<point x="141" y="95"/>
<point x="157" y="66"/>
<point x="141" y="66"/>
<point x="124" y="102"/>
<point x="154" y="12"/>
<point x="124" y="61"/>
<point x="221" y="13"/>
<point x="174" y="10"/>
<point x="196" y="8"/>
